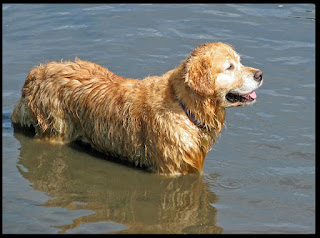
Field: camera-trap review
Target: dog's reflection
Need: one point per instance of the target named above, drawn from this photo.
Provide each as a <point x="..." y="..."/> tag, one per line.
<point x="143" y="202"/>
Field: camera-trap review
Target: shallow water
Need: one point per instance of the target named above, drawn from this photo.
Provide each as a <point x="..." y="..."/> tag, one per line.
<point x="260" y="175"/>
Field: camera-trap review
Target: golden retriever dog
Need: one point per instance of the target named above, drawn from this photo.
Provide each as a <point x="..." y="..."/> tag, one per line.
<point x="166" y="124"/>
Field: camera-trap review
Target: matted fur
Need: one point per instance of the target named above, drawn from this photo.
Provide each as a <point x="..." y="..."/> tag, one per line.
<point x="140" y="121"/>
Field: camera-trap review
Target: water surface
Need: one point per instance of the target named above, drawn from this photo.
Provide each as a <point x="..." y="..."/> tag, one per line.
<point x="260" y="175"/>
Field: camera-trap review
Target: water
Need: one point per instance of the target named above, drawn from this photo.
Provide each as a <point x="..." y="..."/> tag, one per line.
<point x="259" y="177"/>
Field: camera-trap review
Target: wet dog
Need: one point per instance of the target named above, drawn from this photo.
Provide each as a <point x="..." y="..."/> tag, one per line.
<point x="165" y="123"/>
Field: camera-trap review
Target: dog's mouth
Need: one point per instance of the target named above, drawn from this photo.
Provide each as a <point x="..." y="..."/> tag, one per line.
<point x="244" y="98"/>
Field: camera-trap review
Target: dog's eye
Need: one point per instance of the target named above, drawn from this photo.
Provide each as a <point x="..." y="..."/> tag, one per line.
<point x="231" y="66"/>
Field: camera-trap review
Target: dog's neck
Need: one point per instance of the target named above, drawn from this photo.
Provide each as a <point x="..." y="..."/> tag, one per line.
<point x="203" y="111"/>
<point x="191" y="116"/>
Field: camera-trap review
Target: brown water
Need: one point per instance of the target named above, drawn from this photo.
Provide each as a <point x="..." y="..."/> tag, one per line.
<point x="259" y="177"/>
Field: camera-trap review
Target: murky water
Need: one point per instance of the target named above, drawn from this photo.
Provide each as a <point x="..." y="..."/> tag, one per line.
<point x="259" y="177"/>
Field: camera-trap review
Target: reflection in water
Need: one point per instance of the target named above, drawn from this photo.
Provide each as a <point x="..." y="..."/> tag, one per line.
<point x="143" y="202"/>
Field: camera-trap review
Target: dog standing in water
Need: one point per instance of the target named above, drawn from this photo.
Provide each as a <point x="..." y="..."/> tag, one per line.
<point x="163" y="123"/>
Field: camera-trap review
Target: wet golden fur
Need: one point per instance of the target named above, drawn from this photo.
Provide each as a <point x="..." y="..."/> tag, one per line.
<point x="140" y="121"/>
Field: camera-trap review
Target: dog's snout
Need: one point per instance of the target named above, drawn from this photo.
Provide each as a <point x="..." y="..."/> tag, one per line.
<point x="258" y="75"/>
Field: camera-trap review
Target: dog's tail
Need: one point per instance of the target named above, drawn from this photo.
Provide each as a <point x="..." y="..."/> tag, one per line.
<point x="21" y="115"/>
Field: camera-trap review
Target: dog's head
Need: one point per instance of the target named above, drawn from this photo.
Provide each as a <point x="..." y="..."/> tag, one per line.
<point x="215" y="70"/>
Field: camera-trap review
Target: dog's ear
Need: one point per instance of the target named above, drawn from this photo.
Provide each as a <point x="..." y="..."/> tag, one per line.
<point x="198" y="75"/>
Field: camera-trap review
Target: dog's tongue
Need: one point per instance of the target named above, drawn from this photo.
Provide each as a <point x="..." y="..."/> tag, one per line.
<point x="253" y="94"/>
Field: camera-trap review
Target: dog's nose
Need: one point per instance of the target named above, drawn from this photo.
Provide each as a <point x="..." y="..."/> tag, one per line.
<point x="258" y="75"/>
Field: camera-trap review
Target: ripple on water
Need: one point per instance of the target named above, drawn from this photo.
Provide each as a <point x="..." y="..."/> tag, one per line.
<point x="291" y="60"/>
<point x="271" y="12"/>
<point x="230" y="185"/>
<point x="293" y="170"/>
<point x="149" y="32"/>
<point x="99" y="227"/>
<point x="275" y="93"/>
<point x="70" y="27"/>
<point x="221" y="13"/>
<point x="265" y="115"/>
<point x="216" y="180"/>
<point x="301" y="155"/>
<point x="281" y="44"/>
<point x="99" y="8"/>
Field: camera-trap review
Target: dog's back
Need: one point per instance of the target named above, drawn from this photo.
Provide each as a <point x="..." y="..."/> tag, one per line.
<point x="61" y="100"/>
<point x="44" y="102"/>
